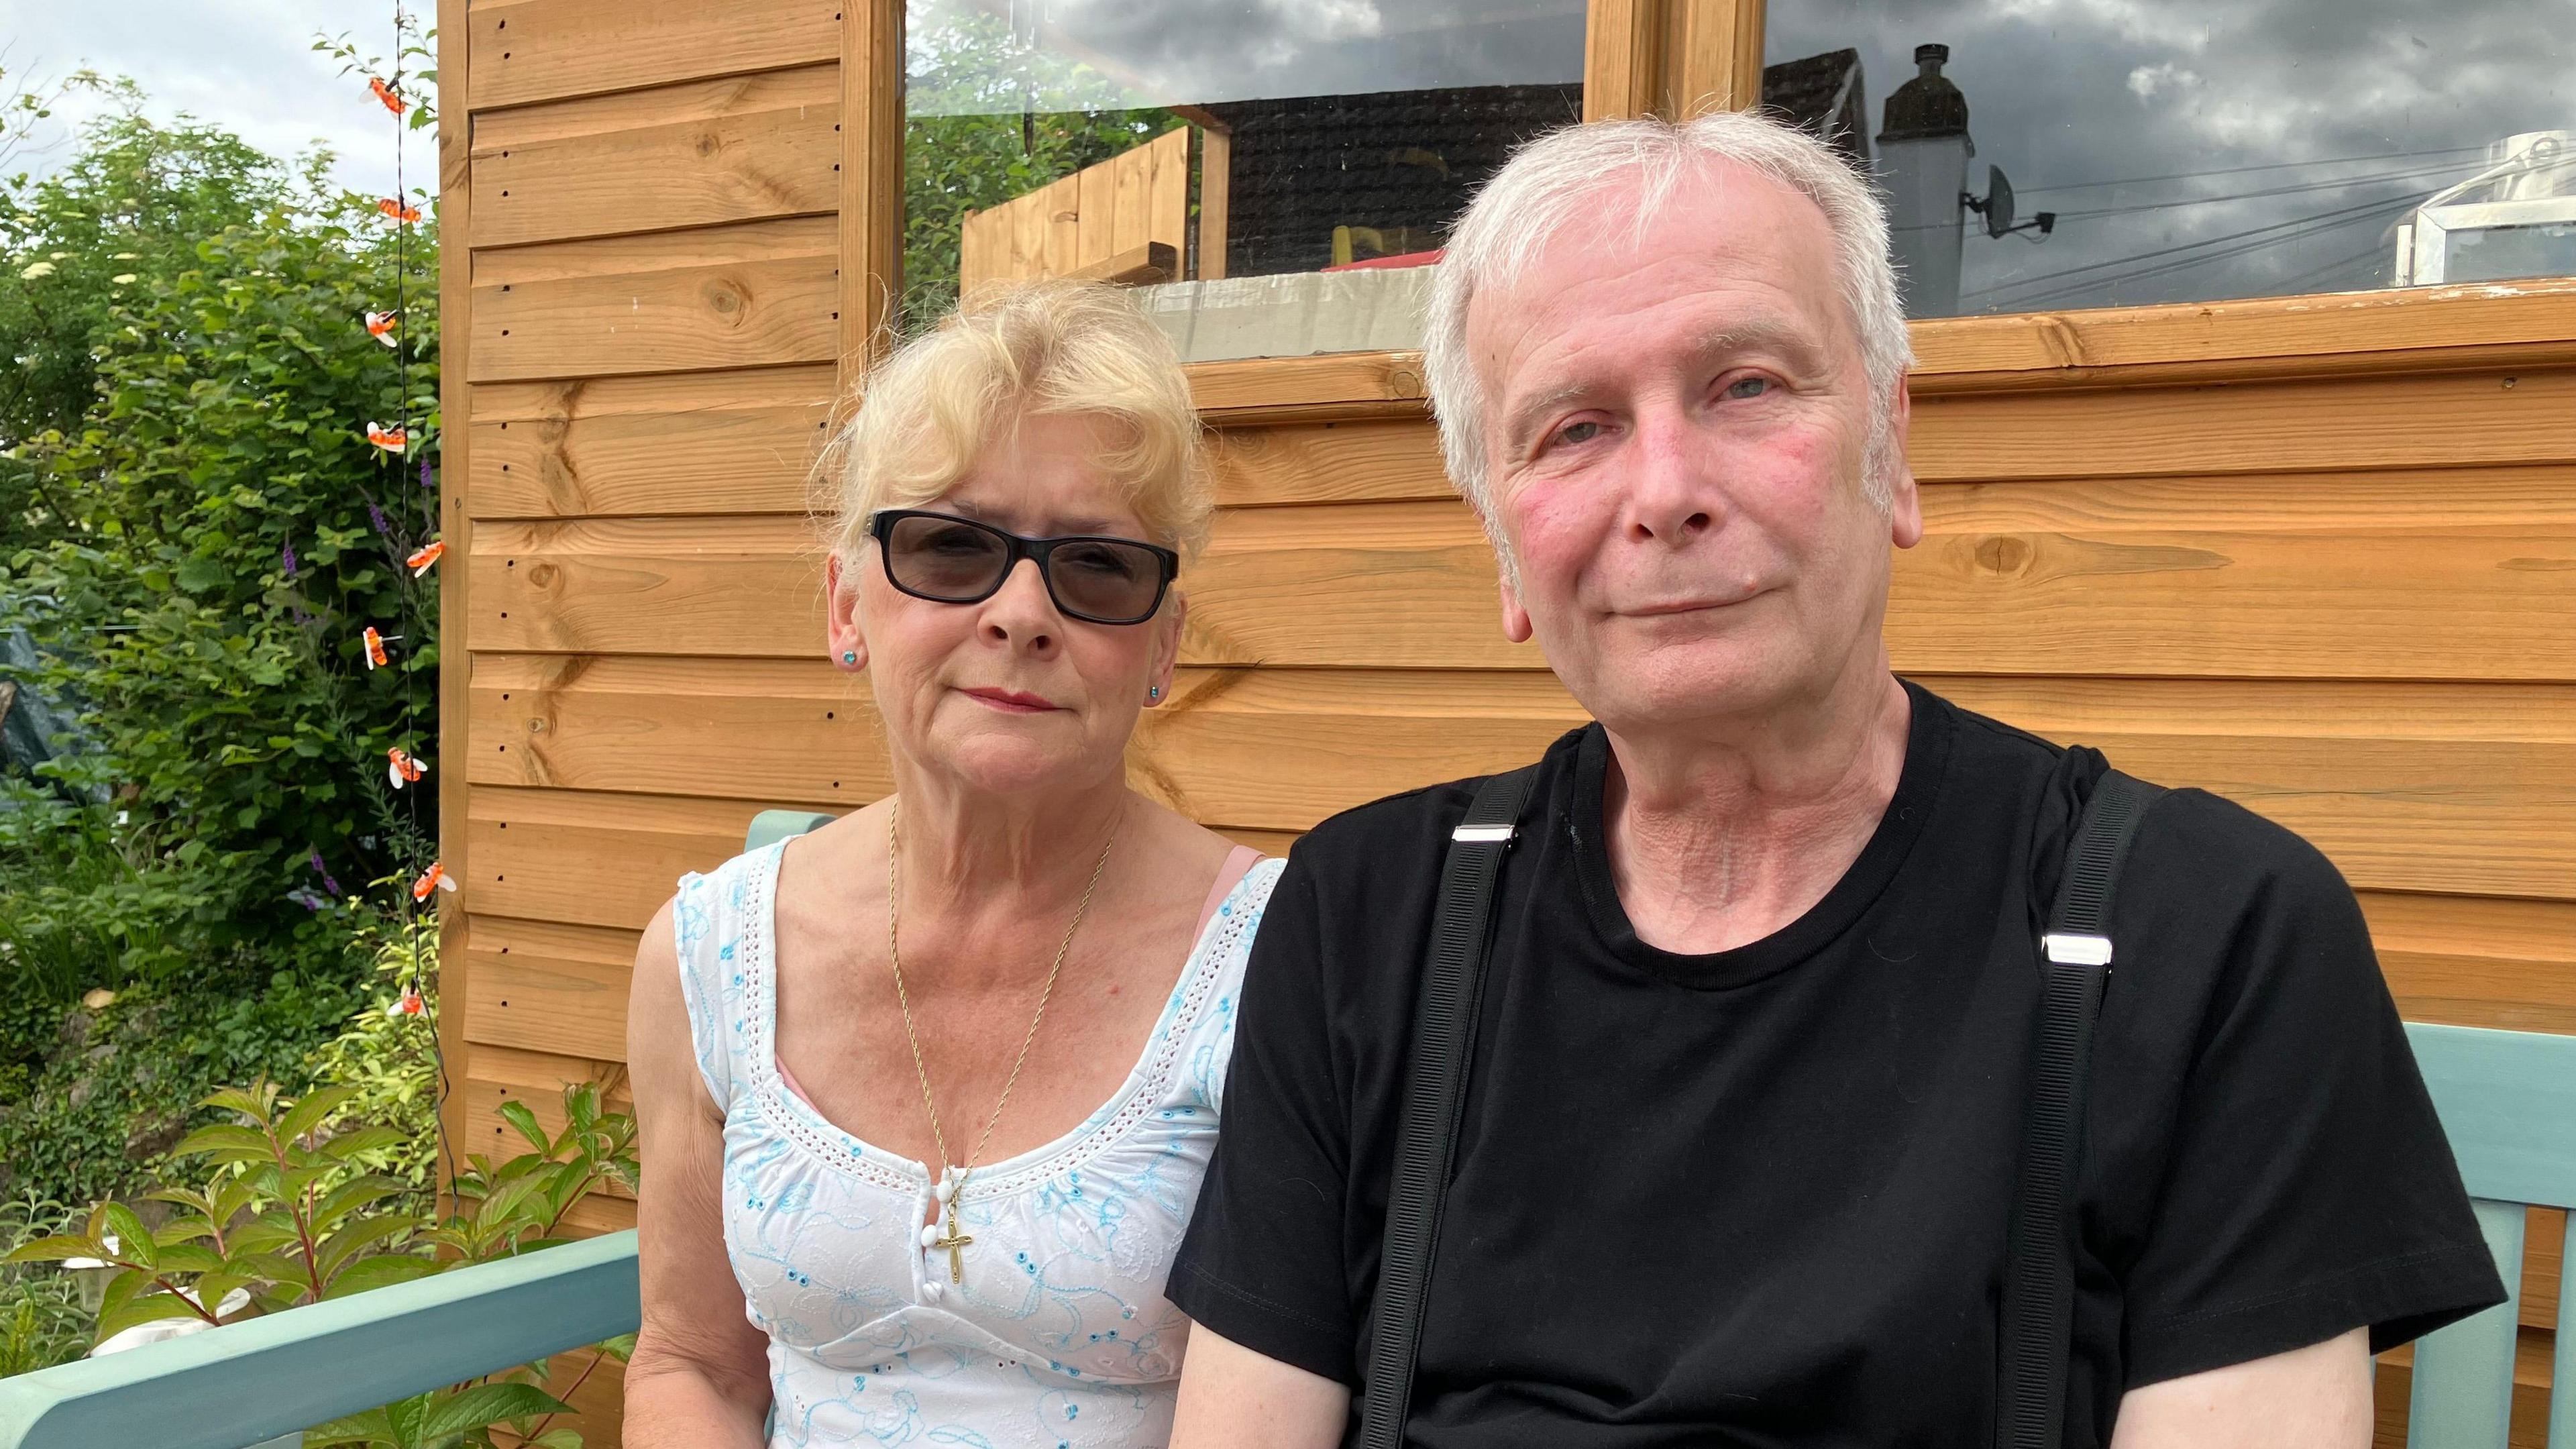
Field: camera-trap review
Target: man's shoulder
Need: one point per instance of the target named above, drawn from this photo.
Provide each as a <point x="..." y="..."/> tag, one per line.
<point x="1411" y="827"/>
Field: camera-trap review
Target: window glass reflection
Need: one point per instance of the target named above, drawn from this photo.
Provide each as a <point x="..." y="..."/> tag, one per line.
<point x="1273" y="177"/>
<point x="2052" y="154"/>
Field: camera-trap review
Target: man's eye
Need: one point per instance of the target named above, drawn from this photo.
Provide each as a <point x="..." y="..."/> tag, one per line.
<point x="1578" y="432"/>
<point x="1748" y="387"/>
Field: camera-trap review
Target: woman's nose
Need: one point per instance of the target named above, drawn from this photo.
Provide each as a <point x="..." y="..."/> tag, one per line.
<point x="1021" y="612"/>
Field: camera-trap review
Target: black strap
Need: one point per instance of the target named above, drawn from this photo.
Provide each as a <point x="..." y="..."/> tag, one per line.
<point x="1435" y="1086"/>
<point x="2039" y="1268"/>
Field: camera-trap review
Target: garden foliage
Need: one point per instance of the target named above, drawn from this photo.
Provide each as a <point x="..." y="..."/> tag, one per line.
<point x="194" y="531"/>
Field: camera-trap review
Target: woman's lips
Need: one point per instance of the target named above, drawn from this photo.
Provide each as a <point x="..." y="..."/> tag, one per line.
<point x="1012" y="701"/>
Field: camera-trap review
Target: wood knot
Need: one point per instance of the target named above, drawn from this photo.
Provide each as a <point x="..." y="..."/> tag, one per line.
<point x="2004" y="554"/>
<point x="542" y="576"/>
<point x="725" y="298"/>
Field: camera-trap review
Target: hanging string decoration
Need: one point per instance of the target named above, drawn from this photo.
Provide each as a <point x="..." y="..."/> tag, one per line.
<point x="406" y="525"/>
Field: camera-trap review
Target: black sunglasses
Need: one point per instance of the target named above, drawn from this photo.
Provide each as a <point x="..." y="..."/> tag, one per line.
<point x="952" y="560"/>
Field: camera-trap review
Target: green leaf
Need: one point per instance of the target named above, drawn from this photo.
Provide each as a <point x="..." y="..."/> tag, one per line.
<point x="359" y="1235"/>
<point x="133" y="1240"/>
<point x="486" y="1404"/>
<point x="373" y="1428"/>
<point x="224" y="1142"/>
<point x="309" y="1113"/>
<point x="55" y="1249"/>
<point x="189" y="1258"/>
<point x="518" y="1116"/>
<point x="143" y="1308"/>
<point x="382" y="1271"/>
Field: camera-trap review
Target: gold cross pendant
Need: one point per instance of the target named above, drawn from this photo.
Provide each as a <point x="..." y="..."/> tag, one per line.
<point x="954" y="1242"/>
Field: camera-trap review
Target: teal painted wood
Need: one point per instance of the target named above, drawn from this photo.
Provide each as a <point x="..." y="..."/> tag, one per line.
<point x="2508" y="1104"/>
<point x="2462" y="1395"/>
<point x="771" y="826"/>
<point x="247" y="1382"/>
<point x="2507" y="1100"/>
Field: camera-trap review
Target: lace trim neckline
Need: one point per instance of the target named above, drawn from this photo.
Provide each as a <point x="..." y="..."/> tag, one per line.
<point x="828" y="1144"/>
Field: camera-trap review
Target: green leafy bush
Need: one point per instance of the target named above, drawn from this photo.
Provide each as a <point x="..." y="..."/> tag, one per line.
<point x="195" y="531"/>
<point x="41" y="1320"/>
<point x="285" y="1211"/>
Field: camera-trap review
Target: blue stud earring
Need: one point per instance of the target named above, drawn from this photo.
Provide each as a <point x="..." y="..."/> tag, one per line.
<point x="849" y="656"/>
<point x="1153" y="692"/>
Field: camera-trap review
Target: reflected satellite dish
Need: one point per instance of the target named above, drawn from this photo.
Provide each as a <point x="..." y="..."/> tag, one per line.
<point x="1999" y="202"/>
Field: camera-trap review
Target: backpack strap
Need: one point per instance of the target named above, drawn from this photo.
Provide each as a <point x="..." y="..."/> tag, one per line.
<point x="1435" y="1087"/>
<point x="2038" y="1310"/>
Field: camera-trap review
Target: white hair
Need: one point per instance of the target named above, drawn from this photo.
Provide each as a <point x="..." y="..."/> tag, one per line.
<point x="1544" y="189"/>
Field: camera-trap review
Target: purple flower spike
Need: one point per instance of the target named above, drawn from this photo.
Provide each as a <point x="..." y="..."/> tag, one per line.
<point x="328" y="884"/>
<point x="287" y="557"/>
<point x="424" y="473"/>
<point x="378" y="515"/>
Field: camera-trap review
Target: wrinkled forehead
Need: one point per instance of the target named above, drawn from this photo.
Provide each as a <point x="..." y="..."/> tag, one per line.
<point x="1722" y="250"/>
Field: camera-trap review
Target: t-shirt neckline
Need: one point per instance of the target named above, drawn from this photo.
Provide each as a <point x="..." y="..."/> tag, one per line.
<point x="1918" y="789"/>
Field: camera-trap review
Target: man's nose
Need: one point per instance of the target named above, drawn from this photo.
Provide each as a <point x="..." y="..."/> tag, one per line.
<point x="1021" y="612"/>
<point x="1672" y="495"/>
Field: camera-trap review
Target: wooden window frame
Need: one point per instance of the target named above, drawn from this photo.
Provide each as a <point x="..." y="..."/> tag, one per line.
<point x="1669" y="57"/>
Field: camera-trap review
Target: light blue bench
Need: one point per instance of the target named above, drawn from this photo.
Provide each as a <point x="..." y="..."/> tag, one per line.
<point x="2508" y="1104"/>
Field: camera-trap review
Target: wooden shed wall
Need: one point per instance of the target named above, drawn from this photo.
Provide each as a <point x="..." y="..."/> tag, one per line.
<point x="2318" y="556"/>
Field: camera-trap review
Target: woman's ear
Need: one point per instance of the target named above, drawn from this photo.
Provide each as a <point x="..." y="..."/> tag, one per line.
<point x="841" y="613"/>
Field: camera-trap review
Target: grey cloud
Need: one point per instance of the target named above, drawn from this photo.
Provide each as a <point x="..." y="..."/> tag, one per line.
<point x="2048" y="88"/>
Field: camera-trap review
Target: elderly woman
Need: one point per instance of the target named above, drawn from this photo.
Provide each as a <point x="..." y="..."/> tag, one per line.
<point x="926" y="1094"/>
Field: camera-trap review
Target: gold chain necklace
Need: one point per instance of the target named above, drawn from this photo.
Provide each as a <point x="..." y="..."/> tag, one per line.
<point x="952" y="1179"/>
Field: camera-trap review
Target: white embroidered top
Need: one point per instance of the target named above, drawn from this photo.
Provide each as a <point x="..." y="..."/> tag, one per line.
<point x="1059" y="1335"/>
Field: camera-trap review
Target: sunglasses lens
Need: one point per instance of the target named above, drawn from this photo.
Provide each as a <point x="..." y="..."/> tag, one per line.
<point x="942" y="558"/>
<point x="1103" y="579"/>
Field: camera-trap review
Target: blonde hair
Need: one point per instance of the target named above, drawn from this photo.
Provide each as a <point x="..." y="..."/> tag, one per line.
<point x="923" y="415"/>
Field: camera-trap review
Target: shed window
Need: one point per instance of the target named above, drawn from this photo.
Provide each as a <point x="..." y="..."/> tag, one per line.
<point x="2194" y="150"/>
<point x="1275" y="178"/>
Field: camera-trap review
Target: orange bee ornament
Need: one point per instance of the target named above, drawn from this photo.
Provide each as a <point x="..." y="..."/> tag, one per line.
<point x="380" y="326"/>
<point x="392" y="440"/>
<point x="435" y="878"/>
<point x="426" y="557"/>
<point x="401" y="768"/>
<point x="394" y="209"/>
<point x="392" y="98"/>
<point x="376" y="656"/>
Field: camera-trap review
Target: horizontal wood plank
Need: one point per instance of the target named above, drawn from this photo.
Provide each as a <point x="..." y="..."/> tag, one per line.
<point x="723" y="442"/>
<point x="1412" y="585"/>
<point x="1328" y="462"/>
<point x="544" y="986"/>
<point x="2446" y="788"/>
<point x="539" y="50"/>
<point x="2421" y="328"/>
<point x="591" y="859"/>
<point x="761" y="294"/>
<point x="2502" y="963"/>
<point x="723" y="586"/>
<point x="2341" y="424"/>
<point x="741" y="149"/>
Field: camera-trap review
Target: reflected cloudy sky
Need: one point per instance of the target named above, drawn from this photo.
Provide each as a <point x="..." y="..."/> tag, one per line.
<point x="2068" y="94"/>
<point x="1166" y="52"/>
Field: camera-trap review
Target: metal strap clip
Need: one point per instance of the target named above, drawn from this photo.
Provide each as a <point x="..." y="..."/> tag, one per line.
<point x="1482" y="834"/>
<point x="2068" y="949"/>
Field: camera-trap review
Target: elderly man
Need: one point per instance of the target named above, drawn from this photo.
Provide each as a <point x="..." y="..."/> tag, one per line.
<point x="1751" y="1058"/>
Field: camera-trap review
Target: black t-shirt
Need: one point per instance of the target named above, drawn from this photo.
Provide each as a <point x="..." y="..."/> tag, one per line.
<point x="1758" y="1197"/>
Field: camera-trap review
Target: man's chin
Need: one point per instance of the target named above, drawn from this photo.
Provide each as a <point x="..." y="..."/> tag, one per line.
<point x="1680" y="682"/>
